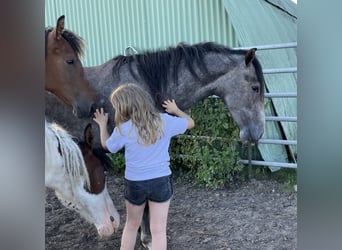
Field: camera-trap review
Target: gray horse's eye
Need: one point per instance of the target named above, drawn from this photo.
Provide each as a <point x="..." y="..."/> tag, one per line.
<point x="255" y="89"/>
<point x="70" y="61"/>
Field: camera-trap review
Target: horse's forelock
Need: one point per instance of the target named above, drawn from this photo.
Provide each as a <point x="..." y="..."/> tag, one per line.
<point x="260" y="76"/>
<point x="76" y="42"/>
<point x="256" y="64"/>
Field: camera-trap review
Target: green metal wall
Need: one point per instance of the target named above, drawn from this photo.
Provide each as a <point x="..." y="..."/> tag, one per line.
<point x="109" y="26"/>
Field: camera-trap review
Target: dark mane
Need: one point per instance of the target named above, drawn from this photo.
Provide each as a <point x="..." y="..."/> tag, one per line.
<point x="47" y="31"/>
<point x="156" y="68"/>
<point x="76" y="42"/>
<point x="104" y="158"/>
<point x="260" y="76"/>
<point x="99" y="154"/>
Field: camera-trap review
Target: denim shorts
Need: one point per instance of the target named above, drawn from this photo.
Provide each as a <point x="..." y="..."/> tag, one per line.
<point x="157" y="190"/>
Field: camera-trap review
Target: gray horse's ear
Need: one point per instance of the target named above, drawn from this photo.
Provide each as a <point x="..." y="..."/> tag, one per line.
<point x="60" y="27"/>
<point x="250" y="55"/>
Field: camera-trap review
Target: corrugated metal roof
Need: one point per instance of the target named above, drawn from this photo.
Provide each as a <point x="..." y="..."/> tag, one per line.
<point x="286" y="6"/>
<point x="261" y="22"/>
<point x="109" y="26"/>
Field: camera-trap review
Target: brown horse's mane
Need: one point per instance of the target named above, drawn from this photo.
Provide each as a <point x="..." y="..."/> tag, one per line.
<point x="158" y="67"/>
<point x="76" y="42"/>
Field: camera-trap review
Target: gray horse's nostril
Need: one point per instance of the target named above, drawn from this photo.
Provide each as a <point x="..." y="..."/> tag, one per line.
<point x="112" y="218"/>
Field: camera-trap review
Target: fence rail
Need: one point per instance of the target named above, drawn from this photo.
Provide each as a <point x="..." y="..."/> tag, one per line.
<point x="277" y="141"/>
<point x="270" y="163"/>
<point x="281" y="118"/>
<point x="280" y="70"/>
<point x="272" y="46"/>
<point x="281" y="95"/>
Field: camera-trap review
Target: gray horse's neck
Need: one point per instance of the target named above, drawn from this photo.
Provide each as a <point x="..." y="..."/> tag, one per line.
<point x="187" y="91"/>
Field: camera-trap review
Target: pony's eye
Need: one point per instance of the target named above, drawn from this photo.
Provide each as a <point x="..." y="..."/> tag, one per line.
<point x="70" y="61"/>
<point x="255" y="89"/>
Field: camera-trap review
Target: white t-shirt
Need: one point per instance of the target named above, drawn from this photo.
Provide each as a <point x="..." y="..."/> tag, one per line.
<point x="146" y="162"/>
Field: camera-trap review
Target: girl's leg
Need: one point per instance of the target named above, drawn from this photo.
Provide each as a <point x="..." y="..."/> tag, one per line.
<point x="133" y="221"/>
<point x="158" y="222"/>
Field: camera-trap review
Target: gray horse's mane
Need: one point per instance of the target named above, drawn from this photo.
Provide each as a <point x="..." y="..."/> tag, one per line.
<point x="76" y="42"/>
<point x="155" y="68"/>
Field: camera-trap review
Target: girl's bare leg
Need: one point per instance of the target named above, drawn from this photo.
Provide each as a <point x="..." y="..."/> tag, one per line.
<point x="133" y="221"/>
<point x="158" y="222"/>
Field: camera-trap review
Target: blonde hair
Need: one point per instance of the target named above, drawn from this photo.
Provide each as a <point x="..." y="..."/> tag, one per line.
<point x="131" y="102"/>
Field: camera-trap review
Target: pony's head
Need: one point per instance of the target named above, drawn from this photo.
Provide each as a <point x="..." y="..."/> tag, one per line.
<point x="77" y="174"/>
<point x="105" y="216"/>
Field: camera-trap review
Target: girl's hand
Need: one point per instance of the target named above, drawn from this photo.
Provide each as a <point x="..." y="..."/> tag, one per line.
<point x="101" y="118"/>
<point x="170" y="106"/>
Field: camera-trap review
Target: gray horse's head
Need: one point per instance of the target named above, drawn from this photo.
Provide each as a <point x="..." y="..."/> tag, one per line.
<point x="242" y="90"/>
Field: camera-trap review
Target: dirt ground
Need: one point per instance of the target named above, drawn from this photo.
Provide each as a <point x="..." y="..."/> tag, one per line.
<point x="259" y="214"/>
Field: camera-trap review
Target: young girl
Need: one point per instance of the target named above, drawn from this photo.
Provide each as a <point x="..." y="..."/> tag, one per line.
<point x="145" y="134"/>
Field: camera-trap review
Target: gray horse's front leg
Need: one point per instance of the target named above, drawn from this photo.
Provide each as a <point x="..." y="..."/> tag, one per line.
<point x="145" y="233"/>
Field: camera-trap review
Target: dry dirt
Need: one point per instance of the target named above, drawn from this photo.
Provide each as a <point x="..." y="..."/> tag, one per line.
<point x="259" y="214"/>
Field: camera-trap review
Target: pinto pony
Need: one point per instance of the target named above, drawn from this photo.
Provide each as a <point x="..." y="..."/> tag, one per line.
<point x="76" y="174"/>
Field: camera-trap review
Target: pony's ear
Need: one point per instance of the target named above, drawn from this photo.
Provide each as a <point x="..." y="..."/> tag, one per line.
<point x="88" y="135"/>
<point x="60" y="27"/>
<point x="250" y="56"/>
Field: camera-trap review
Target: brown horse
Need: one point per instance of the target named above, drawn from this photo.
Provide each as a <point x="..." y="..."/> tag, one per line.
<point x="75" y="172"/>
<point x="64" y="75"/>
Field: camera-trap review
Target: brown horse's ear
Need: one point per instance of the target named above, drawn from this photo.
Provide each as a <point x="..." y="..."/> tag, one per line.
<point x="250" y="56"/>
<point x="60" y="27"/>
<point x="88" y="135"/>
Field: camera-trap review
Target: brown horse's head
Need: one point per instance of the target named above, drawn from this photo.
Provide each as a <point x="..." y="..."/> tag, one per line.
<point x="64" y="75"/>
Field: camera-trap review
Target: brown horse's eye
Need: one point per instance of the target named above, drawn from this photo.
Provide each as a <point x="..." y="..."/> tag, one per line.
<point x="255" y="89"/>
<point x="70" y="61"/>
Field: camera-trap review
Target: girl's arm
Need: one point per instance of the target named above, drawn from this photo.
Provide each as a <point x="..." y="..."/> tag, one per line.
<point x="101" y="118"/>
<point x="172" y="108"/>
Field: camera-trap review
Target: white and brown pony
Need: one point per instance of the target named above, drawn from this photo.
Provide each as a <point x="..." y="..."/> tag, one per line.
<point x="76" y="172"/>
